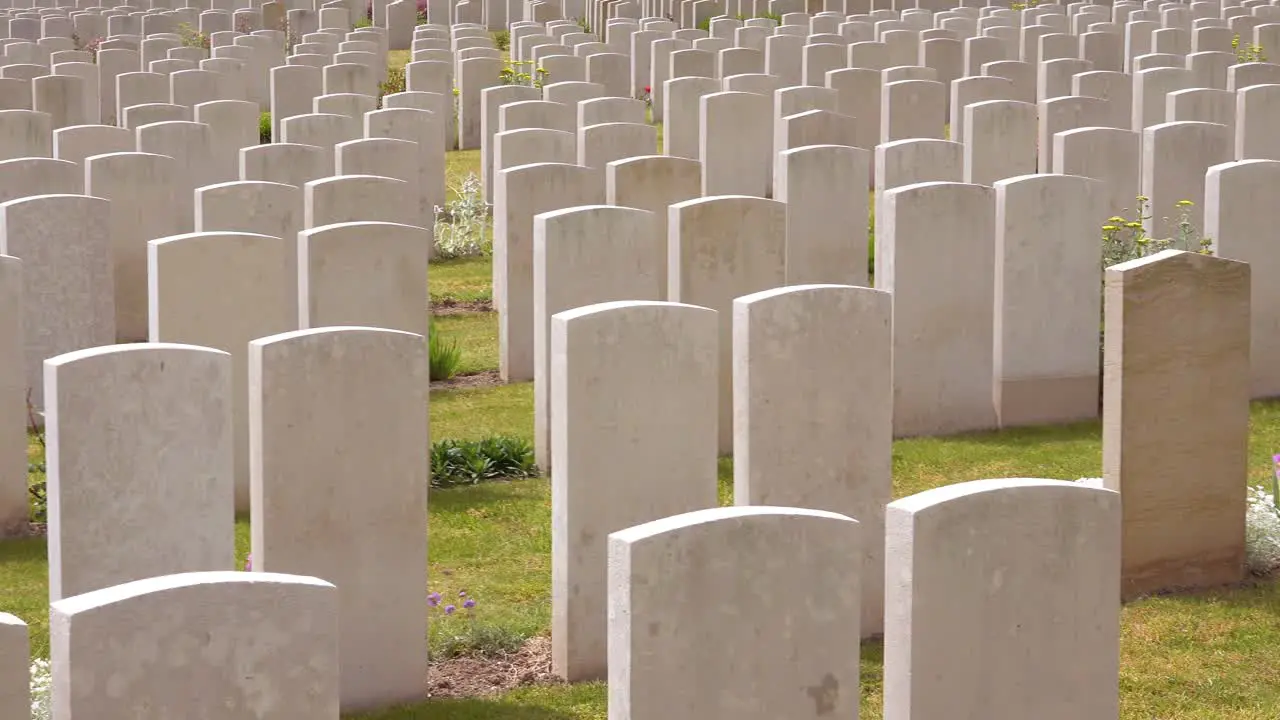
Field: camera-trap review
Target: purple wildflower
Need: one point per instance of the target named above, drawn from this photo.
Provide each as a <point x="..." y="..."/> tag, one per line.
<point x="469" y="604"/>
<point x="462" y="593"/>
<point x="433" y="599"/>
<point x="449" y="609"/>
<point x="248" y="563"/>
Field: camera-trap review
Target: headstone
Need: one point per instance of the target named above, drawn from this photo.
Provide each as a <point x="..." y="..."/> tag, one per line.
<point x="653" y="183"/>
<point x="13" y="420"/>
<point x="64" y="243"/>
<point x="680" y="618"/>
<point x="823" y="187"/>
<point x="141" y="208"/>
<point x="359" y="410"/>
<point x="1047" y="300"/>
<point x="15" y="689"/>
<point x="221" y="290"/>
<point x="625" y="451"/>
<point x="1238" y="215"/>
<point x="144" y="429"/>
<point x="262" y="643"/>
<point x="821" y="438"/>
<point x="520" y="193"/>
<point x="584" y="256"/>
<point x="942" y="380"/>
<point x="369" y="274"/>
<point x="721" y="248"/>
<point x="1183" y="483"/>
<point x="357" y="198"/>
<point x="1044" y="575"/>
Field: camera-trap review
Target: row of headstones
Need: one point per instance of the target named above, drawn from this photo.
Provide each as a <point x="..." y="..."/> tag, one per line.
<point x="1046" y="238"/>
<point x="88" y="21"/>
<point x="341" y="250"/>
<point x="142" y="483"/>
<point x="790" y="50"/>
<point x="689" y="631"/>
<point x="633" y="387"/>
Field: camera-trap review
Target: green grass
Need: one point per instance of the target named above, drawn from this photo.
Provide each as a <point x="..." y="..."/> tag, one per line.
<point x="477" y="337"/>
<point x="1207" y="656"/>
<point x="461" y="280"/>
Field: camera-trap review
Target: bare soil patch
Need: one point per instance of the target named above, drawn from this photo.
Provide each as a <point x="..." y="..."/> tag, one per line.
<point x="449" y="306"/>
<point x="481" y="676"/>
<point x="487" y="378"/>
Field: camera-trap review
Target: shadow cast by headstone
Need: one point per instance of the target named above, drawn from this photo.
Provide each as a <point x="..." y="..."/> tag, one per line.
<point x="470" y="709"/>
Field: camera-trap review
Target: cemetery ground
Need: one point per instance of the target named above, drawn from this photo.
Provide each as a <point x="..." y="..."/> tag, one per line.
<point x="1197" y="656"/>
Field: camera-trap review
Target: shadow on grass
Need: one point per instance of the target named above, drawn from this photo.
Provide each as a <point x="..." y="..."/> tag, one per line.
<point x="465" y="709"/>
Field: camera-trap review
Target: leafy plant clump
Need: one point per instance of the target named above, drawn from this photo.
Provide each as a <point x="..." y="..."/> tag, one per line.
<point x="470" y="462"/>
<point x="461" y="632"/>
<point x="264" y="128"/>
<point x="502" y="40"/>
<point x="517" y="73"/>
<point x="444" y="355"/>
<point x="1247" y="52"/>
<point x="192" y="37"/>
<point x="1125" y="239"/>
<point x="395" y="83"/>
<point x="462" y="228"/>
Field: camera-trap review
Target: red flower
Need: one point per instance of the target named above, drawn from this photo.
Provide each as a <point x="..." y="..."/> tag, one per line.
<point x="646" y="88"/>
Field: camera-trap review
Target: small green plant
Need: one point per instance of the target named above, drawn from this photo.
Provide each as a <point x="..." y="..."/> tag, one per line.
<point x="1024" y="5"/>
<point x="192" y="37"/>
<point x="470" y="462"/>
<point x="515" y="73"/>
<point x="37" y="471"/>
<point x="461" y="633"/>
<point x="1247" y="52"/>
<point x="462" y="228"/>
<point x="443" y="354"/>
<point x="766" y="15"/>
<point x="395" y="83"/>
<point x="502" y="40"/>
<point x="582" y="23"/>
<point x="264" y="128"/>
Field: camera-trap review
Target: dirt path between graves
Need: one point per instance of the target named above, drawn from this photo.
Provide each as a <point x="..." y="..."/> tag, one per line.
<point x="487" y="378"/>
<point x="449" y="306"/>
<point x="481" y="676"/>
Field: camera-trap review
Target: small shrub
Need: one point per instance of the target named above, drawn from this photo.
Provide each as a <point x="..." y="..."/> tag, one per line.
<point x="1247" y="52"/>
<point x="515" y="73"/>
<point x="582" y="23"/>
<point x="264" y="128"/>
<point x="1125" y="239"/>
<point x="462" y="228"/>
<point x="395" y="83"/>
<point x="192" y="37"/>
<point x="461" y="634"/>
<point x="470" y="462"/>
<point x="502" y="40"/>
<point x="364" y="22"/>
<point x="443" y="355"/>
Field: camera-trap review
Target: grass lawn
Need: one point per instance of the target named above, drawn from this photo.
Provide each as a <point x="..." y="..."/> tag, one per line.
<point x="1210" y="656"/>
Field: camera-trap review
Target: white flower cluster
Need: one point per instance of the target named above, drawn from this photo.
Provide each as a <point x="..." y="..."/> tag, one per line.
<point x="463" y="228"/>
<point x="1262" y="532"/>
<point x="41" y="688"/>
